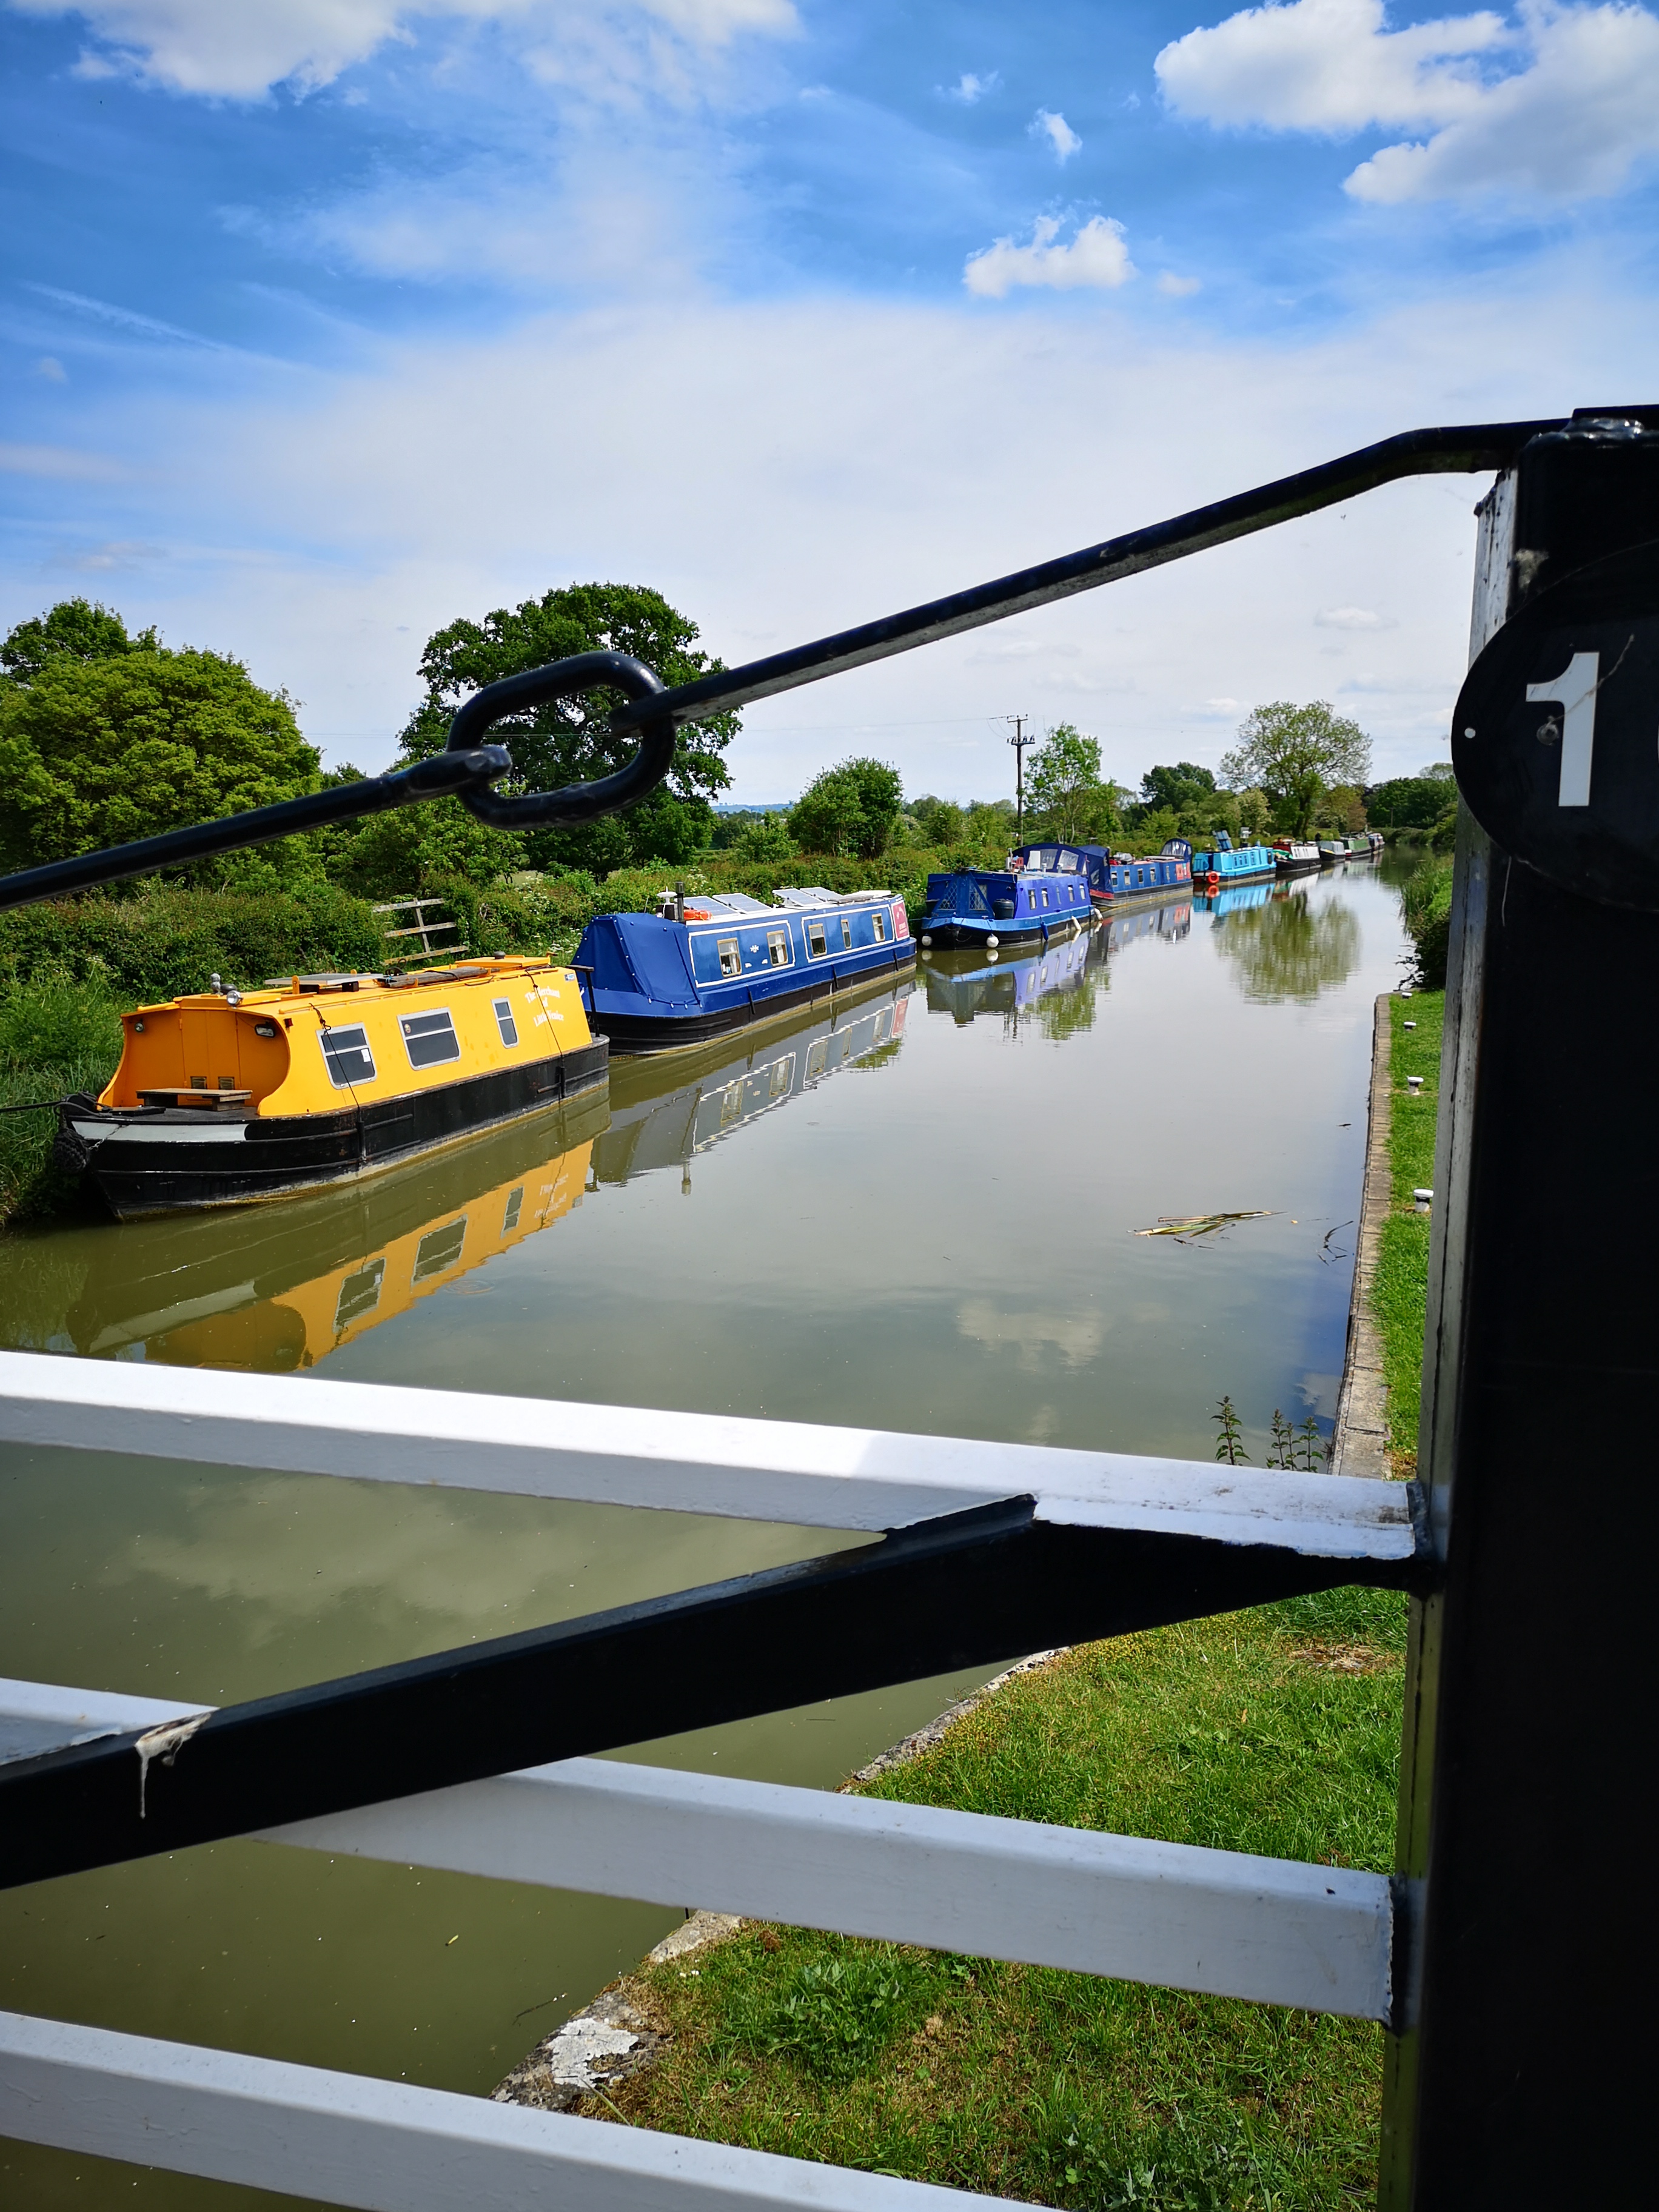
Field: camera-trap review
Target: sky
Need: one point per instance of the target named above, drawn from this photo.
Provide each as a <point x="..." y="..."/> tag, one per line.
<point x="325" y="322"/>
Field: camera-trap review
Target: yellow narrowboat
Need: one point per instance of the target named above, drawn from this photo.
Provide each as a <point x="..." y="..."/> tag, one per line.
<point x="227" y="1097"/>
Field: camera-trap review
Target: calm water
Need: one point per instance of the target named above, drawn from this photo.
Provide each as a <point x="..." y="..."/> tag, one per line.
<point x="918" y="1217"/>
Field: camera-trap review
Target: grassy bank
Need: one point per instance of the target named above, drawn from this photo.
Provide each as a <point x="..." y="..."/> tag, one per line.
<point x="1400" y="1289"/>
<point x="1274" y="1731"/>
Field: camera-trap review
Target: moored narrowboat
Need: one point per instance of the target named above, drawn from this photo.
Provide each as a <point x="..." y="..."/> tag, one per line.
<point x="702" y="966"/>
<point x="1295" y="857"/>
<point x="1030" y="900"/>
<point x="227" y="1097"/>
<point x="1114" y="879"/>
<point x="1226" y="863"/>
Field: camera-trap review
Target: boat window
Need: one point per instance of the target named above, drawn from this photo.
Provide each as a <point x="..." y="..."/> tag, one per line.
<point x="846" y="934"/>
<point x="781" y="1076"/>
<point x="817" y="941"/>
<point x="778" y="954"/>
<point x="879" y="923"/>
<point x="817" y="1053"/>
<point x="730" y="957"/>
<point x="439" y="1249"/>
<point x="1068" y="863"/>
<point x="429" y="1039"/>
<point x="515" y="1205"/>
<point x="504" y="1021"/>
<point x="348" y="1056"/>
<point x="360" y="1293"/>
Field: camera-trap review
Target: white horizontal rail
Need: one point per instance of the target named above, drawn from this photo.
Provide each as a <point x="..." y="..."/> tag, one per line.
<point x="1226" y="1923"/>
<point x="786" y="1471"/>
<point x="384" y="2146"/>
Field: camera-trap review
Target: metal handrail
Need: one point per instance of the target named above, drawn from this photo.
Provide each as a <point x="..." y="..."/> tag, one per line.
<point x="468" y="768"/>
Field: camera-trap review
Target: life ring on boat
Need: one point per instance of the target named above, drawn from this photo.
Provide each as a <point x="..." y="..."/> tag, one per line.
<point x="1211" y="883"/>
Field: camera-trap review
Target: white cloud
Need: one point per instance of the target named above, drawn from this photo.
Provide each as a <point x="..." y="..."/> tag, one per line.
<point x="236" y="51"/>
<point x="1326" y="65"/>
<point x="60" y="463"/>
<point x="1178" y="288"/>
<point x="1572" y="126"/>
<point x="1058" y="131"/>
<point x="1095" y="256"/>
<point x="970" y="88"/>
<point x="51" y="369"/>
<point x="1353" y="618"/>
<point x="1560" y="104"/>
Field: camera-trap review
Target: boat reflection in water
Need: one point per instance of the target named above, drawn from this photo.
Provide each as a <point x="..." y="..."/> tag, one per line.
<point x="1238" y="898"/>
<point x="1058" y="985"/>
<point x="276" y="1290"/>
<point x="720" y="1090"/>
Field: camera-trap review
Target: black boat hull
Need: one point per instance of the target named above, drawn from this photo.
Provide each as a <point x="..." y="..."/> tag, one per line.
<point x="185" y="1158"/>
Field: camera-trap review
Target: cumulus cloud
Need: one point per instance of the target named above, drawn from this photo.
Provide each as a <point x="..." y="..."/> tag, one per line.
<point x="1059" y="133"/>
<point x="1095" y="256"/>
<point x="969" y="89"/>
<point x="51" y="369"/>
<point x="1560" y="103"/>
<point x="208" y="46"/>
<point x="1178" y="288"/>
<point x="1353" y="618"/>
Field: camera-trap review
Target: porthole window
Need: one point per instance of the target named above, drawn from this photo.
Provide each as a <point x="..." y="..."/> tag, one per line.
<point x="347" y="1056"/>
<point x="731" y="954"/>
<point x="504" y="1021"/>
<point x="429" y="1039"/>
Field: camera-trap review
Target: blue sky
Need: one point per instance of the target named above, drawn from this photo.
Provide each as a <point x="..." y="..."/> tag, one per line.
<point x="325" y="321"/>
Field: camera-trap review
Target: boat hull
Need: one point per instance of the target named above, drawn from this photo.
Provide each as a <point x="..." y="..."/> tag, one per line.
<point x="630" y="1032"/>
<point x="184" y="1159"/>
<point x="959" y="934"/>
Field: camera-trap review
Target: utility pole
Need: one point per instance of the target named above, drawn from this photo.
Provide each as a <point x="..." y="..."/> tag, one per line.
<point x="1019" y="741"/>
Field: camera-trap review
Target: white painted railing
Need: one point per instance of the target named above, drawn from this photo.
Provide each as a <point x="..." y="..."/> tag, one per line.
<point x="1226" y="1923"/>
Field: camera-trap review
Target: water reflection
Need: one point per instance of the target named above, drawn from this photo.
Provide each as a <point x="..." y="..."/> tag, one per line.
<point x="1055" y="989"/>
<point x="718" y="1091"/>
<point x="1287" y="945"/>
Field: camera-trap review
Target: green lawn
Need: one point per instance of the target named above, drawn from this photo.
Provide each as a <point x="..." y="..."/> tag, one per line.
<point x="1275" y="1731"/>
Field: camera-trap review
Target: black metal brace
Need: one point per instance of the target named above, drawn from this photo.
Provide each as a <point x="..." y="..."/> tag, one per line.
<point x="967" y="1589"/>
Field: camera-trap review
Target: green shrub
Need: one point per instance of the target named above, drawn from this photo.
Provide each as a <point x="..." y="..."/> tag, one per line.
<point x="1427" y="906"/>
<point x="164" y="942"/>
<point x="52" y="1018"/>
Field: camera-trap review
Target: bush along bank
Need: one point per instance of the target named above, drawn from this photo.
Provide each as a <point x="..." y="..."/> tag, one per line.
<point x="1426" y="902"/>
<point x="70" y="968"/>
<point x="1274" y="1731"/>
<point x="1400" y="1286"/>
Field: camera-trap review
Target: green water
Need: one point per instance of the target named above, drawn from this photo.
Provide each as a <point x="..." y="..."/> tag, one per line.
<point x="918" y="1217"/>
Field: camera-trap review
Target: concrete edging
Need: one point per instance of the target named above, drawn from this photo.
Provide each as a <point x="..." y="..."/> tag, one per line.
<point x="1359" y="1445"/>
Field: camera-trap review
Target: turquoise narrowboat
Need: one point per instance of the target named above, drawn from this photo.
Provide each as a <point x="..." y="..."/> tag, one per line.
<point x="1225" y="863"/>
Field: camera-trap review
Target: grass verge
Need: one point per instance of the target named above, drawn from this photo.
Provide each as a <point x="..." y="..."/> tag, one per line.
<point x="1276" y="1731"/>
<point x="1400" y="1287"/>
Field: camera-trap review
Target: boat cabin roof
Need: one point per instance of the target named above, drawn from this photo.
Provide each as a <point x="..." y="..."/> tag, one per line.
<point x="280" y="989"/>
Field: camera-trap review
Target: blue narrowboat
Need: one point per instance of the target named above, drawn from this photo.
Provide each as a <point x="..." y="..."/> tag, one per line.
<point x="1229" y="864"/>
<point x="709" y="964"/>
<point x="1114" y="878"/>
<point x="989" y="907"/>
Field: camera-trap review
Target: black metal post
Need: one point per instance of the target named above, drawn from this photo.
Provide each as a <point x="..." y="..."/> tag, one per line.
<point x="1516" y="2069"/>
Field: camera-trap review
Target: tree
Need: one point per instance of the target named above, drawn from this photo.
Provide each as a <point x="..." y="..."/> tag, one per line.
<point x="104" y="738"/>
<point x="937" y="820"/>
<point x="76" y="629"/>
<point x="1296" y="754"/>
<point x="1066" y="796"/>
<point x="1410" y="802"/>
<point x="850" y="809"/>
<point x="567" y="742"/>
<point x="1183" y="787"/>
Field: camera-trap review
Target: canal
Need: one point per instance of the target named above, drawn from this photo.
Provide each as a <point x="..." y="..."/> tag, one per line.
<point x="922" y="1216"/>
